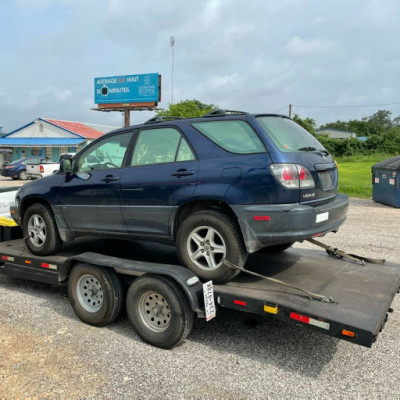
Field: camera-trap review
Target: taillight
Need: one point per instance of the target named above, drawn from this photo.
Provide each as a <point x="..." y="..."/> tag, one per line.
<point x="293" y="176"/>
<point x="41" y="169"/>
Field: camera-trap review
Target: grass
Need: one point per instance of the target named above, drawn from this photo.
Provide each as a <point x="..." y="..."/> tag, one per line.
<point x="355" y="178"/>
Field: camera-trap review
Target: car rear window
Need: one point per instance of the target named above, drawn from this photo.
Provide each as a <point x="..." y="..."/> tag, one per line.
<point x="288" y="135"/>
<point x="234" y="136"/>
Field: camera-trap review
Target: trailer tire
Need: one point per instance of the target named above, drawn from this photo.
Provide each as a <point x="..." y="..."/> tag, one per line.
<point x="159" y="311"/>
<point x="95" y="294"/>
<point x="40" y="230"/>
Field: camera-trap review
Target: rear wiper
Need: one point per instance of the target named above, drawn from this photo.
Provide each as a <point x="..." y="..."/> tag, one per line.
<point x="307" y="149"/>
<point x="314" y="150"/>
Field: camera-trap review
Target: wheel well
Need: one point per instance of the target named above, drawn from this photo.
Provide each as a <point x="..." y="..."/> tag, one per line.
<point x="30" y="201"/>
<point x="200" y="205"/>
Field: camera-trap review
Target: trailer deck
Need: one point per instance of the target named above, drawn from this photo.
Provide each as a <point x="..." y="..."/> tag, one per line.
<point x="362" y="294"/>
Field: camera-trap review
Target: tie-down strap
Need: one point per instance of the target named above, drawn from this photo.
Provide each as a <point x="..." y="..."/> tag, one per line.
<point x="334" y="252"/>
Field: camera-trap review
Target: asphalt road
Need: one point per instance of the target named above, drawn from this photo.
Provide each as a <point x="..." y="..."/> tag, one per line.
<point x="47" y="352"/>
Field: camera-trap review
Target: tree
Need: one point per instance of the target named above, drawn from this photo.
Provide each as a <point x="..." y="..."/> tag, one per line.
<point x="187" y="109"/>
<point x="383" y="118"/>
<point x="307" y="123"/>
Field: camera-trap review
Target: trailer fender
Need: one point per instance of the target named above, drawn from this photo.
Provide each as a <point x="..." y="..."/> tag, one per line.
<point x="189" y="283"/>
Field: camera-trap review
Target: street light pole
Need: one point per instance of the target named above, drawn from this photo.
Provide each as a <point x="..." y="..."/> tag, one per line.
<point x="172" y="44"/>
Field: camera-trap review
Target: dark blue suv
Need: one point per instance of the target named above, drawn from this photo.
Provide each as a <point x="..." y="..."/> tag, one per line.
<point x="218" y="187"/>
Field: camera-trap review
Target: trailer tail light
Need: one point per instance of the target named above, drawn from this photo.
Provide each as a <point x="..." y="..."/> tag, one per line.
<point x="293" y="176"/>
<point x="345" y="332"/>
<point x="310" y="321"/>
<point x="41" y="169"/>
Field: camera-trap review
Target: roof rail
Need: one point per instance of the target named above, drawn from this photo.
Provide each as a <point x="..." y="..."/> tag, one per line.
<point x="221" y="112"/>
<point x="161" y="118"/>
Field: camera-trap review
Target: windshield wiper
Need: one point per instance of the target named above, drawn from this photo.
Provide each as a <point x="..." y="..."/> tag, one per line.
<point x="307" y="149"/>
<point x="314" y="150"/>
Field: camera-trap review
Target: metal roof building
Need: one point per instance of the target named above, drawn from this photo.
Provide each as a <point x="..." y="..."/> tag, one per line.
<point x="49" y="138"/>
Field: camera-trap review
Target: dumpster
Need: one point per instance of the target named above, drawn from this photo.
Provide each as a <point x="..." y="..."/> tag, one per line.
<point x="386" y="182"/>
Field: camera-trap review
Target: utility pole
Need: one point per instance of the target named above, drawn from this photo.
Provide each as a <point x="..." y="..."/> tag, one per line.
<point x="290" y="111"/>
<point x="172" y="44"/>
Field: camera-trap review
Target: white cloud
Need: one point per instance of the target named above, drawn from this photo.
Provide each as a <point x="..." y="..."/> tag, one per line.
<point x="299" y="46"/>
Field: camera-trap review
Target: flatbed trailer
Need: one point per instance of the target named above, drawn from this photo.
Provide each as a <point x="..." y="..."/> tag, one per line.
<point x="163" y="297"/>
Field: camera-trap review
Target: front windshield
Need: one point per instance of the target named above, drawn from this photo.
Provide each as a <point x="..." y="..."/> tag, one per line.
<point x="289" y="136"/>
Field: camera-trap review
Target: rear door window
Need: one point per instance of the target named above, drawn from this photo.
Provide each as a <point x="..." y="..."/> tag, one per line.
<point x="234" y="136"/>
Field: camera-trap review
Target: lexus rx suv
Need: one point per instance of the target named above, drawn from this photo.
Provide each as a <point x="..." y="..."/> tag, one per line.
<point x="217" y="187"/>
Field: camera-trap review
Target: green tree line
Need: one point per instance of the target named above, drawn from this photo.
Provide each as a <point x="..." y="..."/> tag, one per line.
<point x="380" y="131"/>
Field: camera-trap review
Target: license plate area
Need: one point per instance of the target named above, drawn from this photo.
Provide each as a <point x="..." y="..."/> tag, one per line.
<point x="325" y="178"/>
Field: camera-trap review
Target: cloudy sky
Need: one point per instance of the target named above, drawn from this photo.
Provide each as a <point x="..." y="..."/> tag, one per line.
<point x="256" y="55"/>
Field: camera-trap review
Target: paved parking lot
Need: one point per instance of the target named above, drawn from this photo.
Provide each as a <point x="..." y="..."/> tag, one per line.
<point x="47" y="352"/>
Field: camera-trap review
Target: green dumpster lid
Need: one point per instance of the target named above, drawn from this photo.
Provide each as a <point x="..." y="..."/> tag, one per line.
<point x="391" y="163"/>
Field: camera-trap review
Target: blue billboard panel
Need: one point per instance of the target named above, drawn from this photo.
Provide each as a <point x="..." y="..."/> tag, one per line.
<point x="126" y="89"/>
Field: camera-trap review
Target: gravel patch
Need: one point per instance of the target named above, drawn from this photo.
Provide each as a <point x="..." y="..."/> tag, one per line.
<point x="46" y="352"/>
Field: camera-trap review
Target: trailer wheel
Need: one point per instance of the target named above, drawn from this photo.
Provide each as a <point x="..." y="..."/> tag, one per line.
<point x="95" y="294"/>
<point x="40" y="230"/>
<point x="159" y="311"/>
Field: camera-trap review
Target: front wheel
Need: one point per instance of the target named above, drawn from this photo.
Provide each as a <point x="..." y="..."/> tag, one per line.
<point x="95" y="294"/>
<point x="40" y="230"/>
<point x="204" y="240"/>
<point x="159" y="311"/>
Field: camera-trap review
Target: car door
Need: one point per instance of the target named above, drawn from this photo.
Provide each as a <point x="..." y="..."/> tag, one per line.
<point x="161" y="173"/>
<point x="89" y="196"/>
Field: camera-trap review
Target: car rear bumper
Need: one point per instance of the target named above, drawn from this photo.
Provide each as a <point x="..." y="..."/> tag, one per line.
<point x="265" y="225"/>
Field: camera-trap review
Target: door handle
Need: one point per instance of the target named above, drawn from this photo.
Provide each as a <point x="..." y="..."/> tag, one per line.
<point x="109" y="178"/>
<point x="182" y="172"/>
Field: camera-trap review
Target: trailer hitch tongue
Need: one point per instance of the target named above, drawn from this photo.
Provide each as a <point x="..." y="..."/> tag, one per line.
<point x="310" y="295"/>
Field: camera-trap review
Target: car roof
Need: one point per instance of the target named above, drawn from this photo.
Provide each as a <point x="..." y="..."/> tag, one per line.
<point x="216" y="115"/>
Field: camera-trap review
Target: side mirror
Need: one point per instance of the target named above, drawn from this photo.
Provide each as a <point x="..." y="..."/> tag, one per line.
<point x="66" y="165"/>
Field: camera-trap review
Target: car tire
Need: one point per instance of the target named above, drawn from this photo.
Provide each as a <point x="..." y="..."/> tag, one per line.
<point x="95" y="294"/>
<point x="40" y="230"/>
<point x="159" y="311"/>
<point x="204" y="240"/>
<point x="22" y="176"/>
<point x="276" y="248"/>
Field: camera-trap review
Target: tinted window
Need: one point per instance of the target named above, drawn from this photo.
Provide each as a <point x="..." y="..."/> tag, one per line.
<point x="155" y="146"/>
<point x="185" y="152"/>
<point x="106" y="154"/>
<point x="289" y="136"/>
<point x="234" y="136"/>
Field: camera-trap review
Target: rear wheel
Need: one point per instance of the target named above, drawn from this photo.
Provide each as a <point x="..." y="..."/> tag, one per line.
<point x="95" y="294"/>
<point x="159" y="311"/>
<point x="40" y="230"/>
<point x="204" y="240"/>
<point x="22" y="175"/>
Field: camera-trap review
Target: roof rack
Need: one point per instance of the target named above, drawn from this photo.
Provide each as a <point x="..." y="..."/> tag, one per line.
<point x="221" y="112"/>
<point x="161" y="118"/>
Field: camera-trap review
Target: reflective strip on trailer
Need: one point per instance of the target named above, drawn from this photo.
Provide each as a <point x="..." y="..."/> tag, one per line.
<point x="310" y="321"/>
<point x="7" y="258"/>
<point x="51" y="266"/>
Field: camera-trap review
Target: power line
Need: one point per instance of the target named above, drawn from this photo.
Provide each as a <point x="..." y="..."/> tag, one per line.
<point x="350" y="106"/>
<point x="281" y="109"/>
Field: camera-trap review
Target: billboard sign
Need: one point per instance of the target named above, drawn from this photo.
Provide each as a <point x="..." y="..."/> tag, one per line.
<point x="127" y="89"/>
